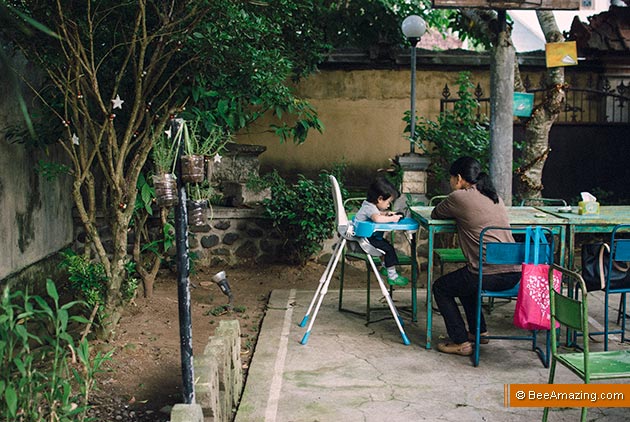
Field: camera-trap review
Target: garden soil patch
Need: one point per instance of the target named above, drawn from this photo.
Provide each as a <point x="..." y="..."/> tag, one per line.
<point x="144" y="378"/>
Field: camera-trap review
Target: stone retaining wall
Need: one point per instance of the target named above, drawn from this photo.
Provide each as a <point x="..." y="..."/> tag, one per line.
<point x="218" y="378"/>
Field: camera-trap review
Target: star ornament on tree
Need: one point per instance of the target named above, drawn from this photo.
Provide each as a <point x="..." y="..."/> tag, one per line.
<point x="75" y="139"/>
<point x="217" y="158"/>
<point x="117" y="102"/>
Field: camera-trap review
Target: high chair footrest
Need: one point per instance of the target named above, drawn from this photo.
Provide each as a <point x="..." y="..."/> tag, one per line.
<point x="402" y="259"/>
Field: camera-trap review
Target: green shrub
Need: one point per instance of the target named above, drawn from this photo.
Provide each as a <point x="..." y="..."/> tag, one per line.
<point x="44" y="375"/>
<point x="455" y="133"/>
<point x="88" y="281"/>
<point x="303" y="213"/>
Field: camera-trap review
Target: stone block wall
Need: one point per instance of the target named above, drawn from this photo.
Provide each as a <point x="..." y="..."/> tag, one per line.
<point x="234" y="235"/>
<point x="218" y="377"/>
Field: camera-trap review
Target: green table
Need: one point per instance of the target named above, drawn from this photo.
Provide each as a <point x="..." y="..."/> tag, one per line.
<point x="609" y="216"/>
<point x="519" y="216"/>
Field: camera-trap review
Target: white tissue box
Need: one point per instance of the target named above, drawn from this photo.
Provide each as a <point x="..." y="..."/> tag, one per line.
<point x="588" y="207"/>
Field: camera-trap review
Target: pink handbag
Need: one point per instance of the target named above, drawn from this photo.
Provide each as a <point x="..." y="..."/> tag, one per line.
<point x="532" y="303"/>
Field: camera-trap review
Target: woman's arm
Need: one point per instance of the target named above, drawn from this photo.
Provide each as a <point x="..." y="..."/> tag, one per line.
<point x="444" y="210"/>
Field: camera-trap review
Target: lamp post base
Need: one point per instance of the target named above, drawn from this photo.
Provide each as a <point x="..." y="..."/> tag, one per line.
<point x="414" y="181"/>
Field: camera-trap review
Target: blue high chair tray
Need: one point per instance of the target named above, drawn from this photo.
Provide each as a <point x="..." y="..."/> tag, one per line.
<point x="367" y="228"/>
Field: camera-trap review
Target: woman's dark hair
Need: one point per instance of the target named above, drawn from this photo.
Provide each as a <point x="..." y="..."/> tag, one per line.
<point x="470" y="170"/>
<point x="381" y="187"/>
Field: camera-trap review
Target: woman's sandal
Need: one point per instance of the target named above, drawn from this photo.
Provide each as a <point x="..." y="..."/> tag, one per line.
<point x="463" y="349"/>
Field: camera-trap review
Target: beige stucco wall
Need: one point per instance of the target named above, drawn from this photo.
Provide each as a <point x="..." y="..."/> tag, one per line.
<point x="362" y="113"/>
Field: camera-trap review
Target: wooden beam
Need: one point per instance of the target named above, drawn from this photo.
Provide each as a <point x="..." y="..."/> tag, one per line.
<point x="511" y="5"/>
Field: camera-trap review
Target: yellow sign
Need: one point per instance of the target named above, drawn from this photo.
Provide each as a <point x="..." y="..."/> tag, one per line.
<point x="561" y="54"/>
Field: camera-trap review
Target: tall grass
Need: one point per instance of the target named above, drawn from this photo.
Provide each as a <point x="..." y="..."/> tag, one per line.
<point x="44" y="374"/>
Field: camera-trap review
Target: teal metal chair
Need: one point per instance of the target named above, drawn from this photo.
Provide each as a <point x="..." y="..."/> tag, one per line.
<point x="620" y="252"/>
<point x="571" y="311"/>
<point x="497" y="253"/>
<point x="352" y="253"/>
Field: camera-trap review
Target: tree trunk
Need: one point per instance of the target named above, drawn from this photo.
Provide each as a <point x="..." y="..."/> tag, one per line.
<point x="501" y="118"/>
<point x="147" y="266"/>
<point x="114" y="301"/>
<point x="544" y="115"/>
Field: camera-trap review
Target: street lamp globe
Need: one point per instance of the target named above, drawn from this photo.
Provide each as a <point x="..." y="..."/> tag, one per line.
<point x="414" y="27"/>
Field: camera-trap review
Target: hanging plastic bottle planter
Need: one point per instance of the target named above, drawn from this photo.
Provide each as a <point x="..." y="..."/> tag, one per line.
<point x="196" y="211"/>
<point x="165" y="186"/>
<point x="164" y="154"/>
<point x="193" y="168"/>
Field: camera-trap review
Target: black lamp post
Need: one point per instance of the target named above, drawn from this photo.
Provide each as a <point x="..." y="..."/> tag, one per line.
<point x="183" y="272"/>
<point x="413" y="27"/>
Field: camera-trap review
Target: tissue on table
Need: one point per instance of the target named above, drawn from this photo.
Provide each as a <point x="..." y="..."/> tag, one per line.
<point x="588" y="204"/>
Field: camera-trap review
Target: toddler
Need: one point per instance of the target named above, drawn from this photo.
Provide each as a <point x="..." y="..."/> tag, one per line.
<point x="380" y="195"/>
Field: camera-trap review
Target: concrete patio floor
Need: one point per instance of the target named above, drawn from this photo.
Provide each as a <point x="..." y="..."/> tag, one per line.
<point x="352" y="372"/>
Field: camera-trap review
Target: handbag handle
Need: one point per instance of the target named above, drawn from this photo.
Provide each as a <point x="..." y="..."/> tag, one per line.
<point x="537" y="241"/>
<point x="532" y="233"/>
<point x="603" y="266"/>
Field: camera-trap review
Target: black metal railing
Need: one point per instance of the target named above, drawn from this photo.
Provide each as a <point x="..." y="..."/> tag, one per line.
<point x="592" y="103"/>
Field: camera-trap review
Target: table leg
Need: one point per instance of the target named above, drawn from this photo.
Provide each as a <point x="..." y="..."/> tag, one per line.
<point x="414" y="279"/>
<point x="571" y="246"/>
<point x="563" y="244"/>
<point x="429" y="279"/>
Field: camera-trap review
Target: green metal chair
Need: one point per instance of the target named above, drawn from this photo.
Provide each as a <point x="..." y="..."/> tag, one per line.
<point x="572" y="313"/>
<point x="446" y="255"/>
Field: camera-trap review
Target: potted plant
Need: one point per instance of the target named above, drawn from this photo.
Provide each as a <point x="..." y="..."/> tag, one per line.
<point x="198" y="146"/>
<point x="198" y="200"/>
<point x="163" y="155"/>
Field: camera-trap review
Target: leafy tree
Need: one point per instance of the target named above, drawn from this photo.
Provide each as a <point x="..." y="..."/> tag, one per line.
<point x="120" y="70"/>
<point x="367" y="24"/>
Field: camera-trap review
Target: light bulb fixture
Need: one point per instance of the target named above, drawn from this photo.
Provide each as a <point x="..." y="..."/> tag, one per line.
<point x="413" y="28"/>
<point x="220" y="279"/>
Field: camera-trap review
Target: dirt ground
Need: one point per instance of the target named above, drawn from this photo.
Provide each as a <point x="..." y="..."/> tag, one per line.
<point x="144" y="378"/>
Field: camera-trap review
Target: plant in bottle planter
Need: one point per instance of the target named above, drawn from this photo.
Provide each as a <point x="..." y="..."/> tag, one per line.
<point x="199" y="195"/>
<point x="163" y="154"/>
<point x="199" y="144"/>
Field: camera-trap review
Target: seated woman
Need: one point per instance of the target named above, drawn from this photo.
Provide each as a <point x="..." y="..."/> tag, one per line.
<point x="474" y="204"/>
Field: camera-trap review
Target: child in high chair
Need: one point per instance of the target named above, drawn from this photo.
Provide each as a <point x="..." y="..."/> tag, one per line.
<point x="375" y="208"/>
